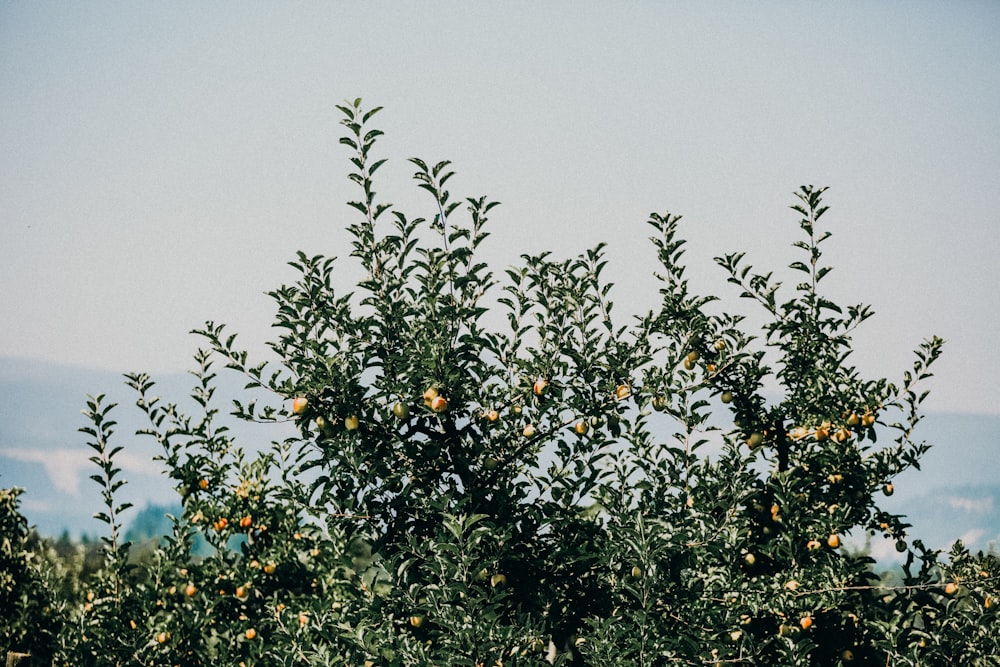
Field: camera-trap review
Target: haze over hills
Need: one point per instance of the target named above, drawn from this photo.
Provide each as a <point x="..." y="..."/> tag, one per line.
<point x="955" y="495"/>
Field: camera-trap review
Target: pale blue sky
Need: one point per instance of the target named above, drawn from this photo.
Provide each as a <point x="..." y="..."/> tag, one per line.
<point x="160" y="162"/>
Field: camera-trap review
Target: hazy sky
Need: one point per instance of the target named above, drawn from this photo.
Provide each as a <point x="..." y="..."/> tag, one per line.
<point x="161" y="162"/>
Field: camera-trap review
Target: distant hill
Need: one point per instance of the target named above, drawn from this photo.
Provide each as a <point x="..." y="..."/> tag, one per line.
<point x="42" y="451"/>
<point x="955" y="495"/>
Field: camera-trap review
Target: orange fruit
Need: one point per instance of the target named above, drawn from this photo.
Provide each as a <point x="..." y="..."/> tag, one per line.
<point x="430" y="395"/>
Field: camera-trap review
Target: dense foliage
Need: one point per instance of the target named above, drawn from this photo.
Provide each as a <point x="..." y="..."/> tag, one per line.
<point x="496" y="471"/>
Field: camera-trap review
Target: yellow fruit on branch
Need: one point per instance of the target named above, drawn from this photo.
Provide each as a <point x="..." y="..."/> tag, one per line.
<point x="352" y="423"/>
<point x="430" y="395"/>
<point x="439" y="404"/>
<point x="833" y="541"/>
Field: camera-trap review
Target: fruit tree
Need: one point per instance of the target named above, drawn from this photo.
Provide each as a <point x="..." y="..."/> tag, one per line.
<point x="494" y="469"/>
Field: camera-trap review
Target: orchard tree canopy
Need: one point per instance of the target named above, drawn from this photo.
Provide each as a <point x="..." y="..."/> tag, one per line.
<point x="549" y="485"/>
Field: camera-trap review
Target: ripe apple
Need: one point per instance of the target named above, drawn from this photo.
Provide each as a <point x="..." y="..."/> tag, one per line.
<point x="202" y="484"/>
<point x="401" y="411"/>
<point x="719" y="345"/>
<point x="162" y="637"/>
<point x="622" y="392"/>
<point x="950" y="588"/>
<point x="847" y="655"/>
<point x="352" y="423"/>
<point x="439" y="404"/>
<point x="541" y="384"/>
<point x="299" y="405"/>
<point x="806" y="622"/>
<point x="269" y="568"/>
<point x="754" y="440"/>
<point x="430" y="395"/>
<point x="750" y="559"/>
<point x="813" y="545"/>
<point x="220" y="524"/>
<point x="727" y="397"/>
<point x="246" y="521"/>
<point x="491" y="416"/>
<point x="833" y="541"/>
<point x="822" y="432"/>
<point x="190" y="590"/>
<point x="529" y="431"/>
<point x="888" y="489"/>
<point x="251" y="633"/>
<point x="636" y="572"/>
<point x="498" y="580"/>
<point x="853" y="419"/>
<point x="581" y="427"/>
<point x="416" y="620"/>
